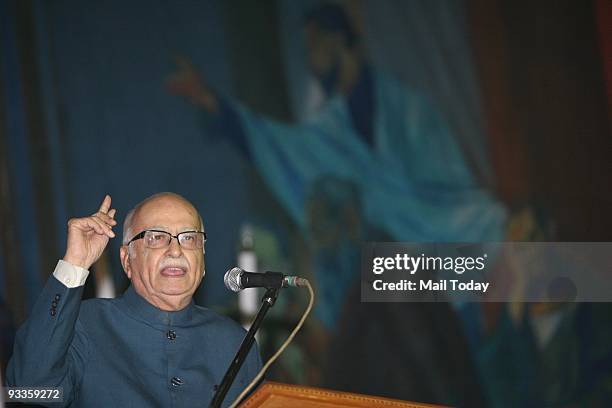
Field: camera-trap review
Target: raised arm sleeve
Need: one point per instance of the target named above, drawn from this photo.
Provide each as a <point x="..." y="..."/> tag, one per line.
<point x="226" y="123"/>
<point x="51" y="347"/>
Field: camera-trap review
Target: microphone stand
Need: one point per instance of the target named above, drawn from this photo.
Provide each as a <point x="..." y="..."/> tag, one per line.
<point x="267" y="301"/>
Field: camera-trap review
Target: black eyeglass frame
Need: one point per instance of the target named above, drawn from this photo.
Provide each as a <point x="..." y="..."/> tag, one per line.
<point x="141" y="235"/>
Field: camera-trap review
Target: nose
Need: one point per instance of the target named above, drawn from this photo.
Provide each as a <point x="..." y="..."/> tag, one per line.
<point x="174" y="248"/>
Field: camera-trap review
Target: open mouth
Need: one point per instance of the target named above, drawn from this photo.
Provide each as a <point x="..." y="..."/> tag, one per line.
<point x="173" y="271"/>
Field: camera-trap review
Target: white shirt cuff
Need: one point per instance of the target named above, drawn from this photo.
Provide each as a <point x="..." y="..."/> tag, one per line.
<point x="70" y="275"/>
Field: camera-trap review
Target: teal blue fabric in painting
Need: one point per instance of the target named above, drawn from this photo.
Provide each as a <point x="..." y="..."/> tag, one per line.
<point x="414" y="180"/>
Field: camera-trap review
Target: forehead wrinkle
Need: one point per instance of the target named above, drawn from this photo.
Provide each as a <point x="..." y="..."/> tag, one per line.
<point x="154" y="211"/>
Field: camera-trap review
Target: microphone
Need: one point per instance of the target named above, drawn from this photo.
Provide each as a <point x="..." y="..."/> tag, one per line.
<point x="236" y="279"/>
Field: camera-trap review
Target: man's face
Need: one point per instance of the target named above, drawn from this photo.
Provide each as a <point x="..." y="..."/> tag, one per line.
<point x="164" y="276"/>
<point x="324" y="50"/>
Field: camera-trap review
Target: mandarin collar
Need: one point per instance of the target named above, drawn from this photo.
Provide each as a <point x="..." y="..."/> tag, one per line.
<point x="151" y="314"/>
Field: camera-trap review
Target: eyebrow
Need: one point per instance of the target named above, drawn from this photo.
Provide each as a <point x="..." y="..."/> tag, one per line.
<point x="165" y="229"/>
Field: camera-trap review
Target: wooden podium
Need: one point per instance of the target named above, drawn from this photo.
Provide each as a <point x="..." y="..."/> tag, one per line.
<point x="277" y="395"/>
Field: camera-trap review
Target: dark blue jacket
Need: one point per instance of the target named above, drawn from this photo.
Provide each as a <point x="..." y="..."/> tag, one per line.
<point x="125" y="352"/>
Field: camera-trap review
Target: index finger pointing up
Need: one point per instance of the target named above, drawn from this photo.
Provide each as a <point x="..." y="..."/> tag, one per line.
<point x="106" y="203"/>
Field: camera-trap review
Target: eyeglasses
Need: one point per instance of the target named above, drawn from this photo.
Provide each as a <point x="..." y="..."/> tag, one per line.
<point x="155" y="239"/>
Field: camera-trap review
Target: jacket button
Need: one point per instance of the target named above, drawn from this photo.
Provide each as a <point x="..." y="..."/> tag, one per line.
<point x="54" y="304"/>
<point x="171" y="335"/>
<point x="57" y="297"/>
<point x="52" y="312"/>
<point x="177" y="382"/>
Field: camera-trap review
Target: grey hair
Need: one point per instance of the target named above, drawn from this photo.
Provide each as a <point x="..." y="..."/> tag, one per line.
<point x="129" y="218"/>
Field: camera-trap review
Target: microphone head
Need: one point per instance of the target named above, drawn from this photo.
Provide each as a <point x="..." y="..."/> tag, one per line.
<point x="232" y="279"/>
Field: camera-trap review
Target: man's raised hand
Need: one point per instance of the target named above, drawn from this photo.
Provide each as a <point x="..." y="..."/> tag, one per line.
<point x="88" y="236"/>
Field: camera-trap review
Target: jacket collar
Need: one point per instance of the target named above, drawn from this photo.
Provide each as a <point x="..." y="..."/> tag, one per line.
<point x="144" y="310"/>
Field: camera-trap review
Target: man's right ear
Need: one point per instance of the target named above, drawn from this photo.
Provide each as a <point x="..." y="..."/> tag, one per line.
<point x="124" y="254"/>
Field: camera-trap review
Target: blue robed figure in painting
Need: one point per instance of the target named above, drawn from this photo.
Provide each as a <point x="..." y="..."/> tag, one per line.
<point x="389" y="141"/>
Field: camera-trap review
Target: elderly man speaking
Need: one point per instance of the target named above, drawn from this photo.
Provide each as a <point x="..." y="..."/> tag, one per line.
<point x="151" y="347"/>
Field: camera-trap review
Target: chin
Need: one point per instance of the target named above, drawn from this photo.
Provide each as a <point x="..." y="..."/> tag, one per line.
<point x="176" y="288"/>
